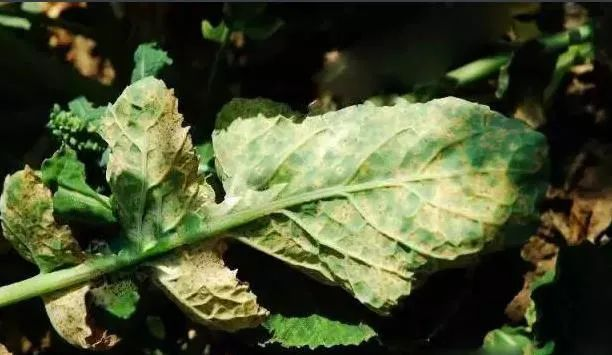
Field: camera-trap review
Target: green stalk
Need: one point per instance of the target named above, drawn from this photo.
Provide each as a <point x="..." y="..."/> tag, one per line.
<point x="485" y="67"/>
<point x="97" y="266"/>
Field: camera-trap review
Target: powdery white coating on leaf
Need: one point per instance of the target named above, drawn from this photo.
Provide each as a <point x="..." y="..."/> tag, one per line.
<point x="315" y="331"/>
<point x="198" y="281"/>
<point x="152" y="168"/>
<point x="26" y="209"/>
<point x="67" y="310"/>
<point x="382" y="195"/>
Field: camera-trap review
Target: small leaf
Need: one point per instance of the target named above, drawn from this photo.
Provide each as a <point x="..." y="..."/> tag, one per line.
<point x="119" y="298"/>
<point x="152" y="167"/>
<point x="27" y="219"/>
<point x="206" y="155"/>
<point x="198" y="281"/>
<point x="380" y="197"/>
<point x="246" y="108"/>
<point x="74" y="199"/>
<point x="217" y="33"/>
<point x="513" y="341"/>
<point x="67" y="310"/>
<point x="315" y="331"/>
<point x="15" y="22"/>
<point x="149" y="61"/>
<point x="83" y="108"/>
<point x="156" y="327"/>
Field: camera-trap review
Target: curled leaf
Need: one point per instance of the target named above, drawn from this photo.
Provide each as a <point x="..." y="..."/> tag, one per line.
<point x="26" y="208"/>
<point x="152" y="168"/>
<point x="67" y="310"/>
<point x="315" y="331"/>
<point x="198" y="281"/>
<point x="381" y="196"/>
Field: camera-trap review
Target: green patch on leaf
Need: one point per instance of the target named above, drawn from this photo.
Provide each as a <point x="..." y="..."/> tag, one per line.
<point x="206" y="157"/>
<point x="149" y="61"/>
<point x="120" y="298"/>
<point x="315" y="331"/>
<point x="74" y="199"/>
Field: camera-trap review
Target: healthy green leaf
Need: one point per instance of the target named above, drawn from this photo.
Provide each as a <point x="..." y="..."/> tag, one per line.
<point x="81" y="107"/>
<point x="74" y="199"/>
<point x="15" y="22"/>
<point x="152" y="168"/>
<point x="315" y="331"/>
<point x="245" y="108"/>
<point x="119" y="298"/>
<point x="217" y="33"/>
<point x="513" y="341"/>
<point x="206" y="290"/>
<point x="206" y="155"/>
<point x="26" y="208"/>
<point x="381" y="196"/>
<point x="149" y="61"/>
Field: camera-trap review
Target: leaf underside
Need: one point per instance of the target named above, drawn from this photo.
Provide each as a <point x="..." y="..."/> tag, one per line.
<point x="374" y="198"/>
<point x="153" y="174"/>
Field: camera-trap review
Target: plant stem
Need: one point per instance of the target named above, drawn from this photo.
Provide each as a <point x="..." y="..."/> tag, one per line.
<point x="485" y="67"/>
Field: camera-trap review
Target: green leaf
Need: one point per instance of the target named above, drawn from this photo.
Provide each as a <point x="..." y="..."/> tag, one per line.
<point x="217" y="33"/>
<point x="26" y="208"/>
<point x="315" y="331"/>
<point x="513" y="341"/>
<point x="245" y="108"/>
<point x="74" y="199"/>
<point x="15" y="22"/>
<point x="119" y="298"/>
<point x="206" y="155"/>
<point x="149" y="61"/>
<point x="206" y="290"/>
<point x="84" y="109"/>
<point x="380" y="197"/>
<point x="152" y="167"/>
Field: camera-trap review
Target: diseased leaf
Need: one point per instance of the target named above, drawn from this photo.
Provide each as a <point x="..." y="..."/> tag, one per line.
<point x="381" y="196"/>
<point x="73" y="198"/>
<point x="26" y="208"/>
<point x="67" y="310"/>
<point x="153" y="173"/>
<point x="315" y="331"/>
<point x="119" y="298"/>
<point x="27" y="219"/>
<point x="4" y="350"/>
<point x="198" y="281"/>
<point x="149" y="61"/>
<point x="245" y="108"/>
<point x="152" y="167"/>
